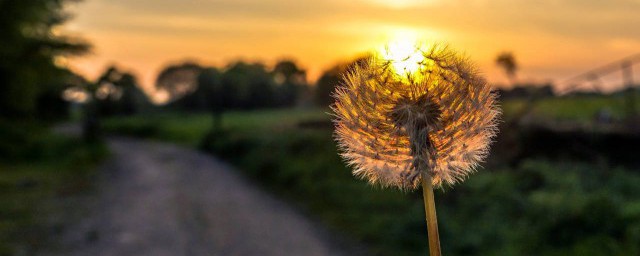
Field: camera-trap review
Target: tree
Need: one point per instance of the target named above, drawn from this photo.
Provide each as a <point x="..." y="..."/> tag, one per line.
<point x="31" y="83"/>
<point x="178" y="80"/>
<point x="117" y="93"/>
<point x="290" y="80"/>
<point x="247" y="86"/>
<point x="208" y="96"/>
<point x="50" y="105"/>
<point x="507" y="62"/>
<point x="211" y="95"/>
<point x="114" y="93"/>
<point x="28" y="50"/>
<point x="133" y="99"/>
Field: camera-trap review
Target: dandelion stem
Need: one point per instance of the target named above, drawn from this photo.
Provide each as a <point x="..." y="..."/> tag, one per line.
<point x="432" y="219"/>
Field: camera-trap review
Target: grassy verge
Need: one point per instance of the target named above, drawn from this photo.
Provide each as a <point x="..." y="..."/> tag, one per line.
<point x="54" y="166"/>
<point x="536" y="208"/>
<point x="191" y="128"/>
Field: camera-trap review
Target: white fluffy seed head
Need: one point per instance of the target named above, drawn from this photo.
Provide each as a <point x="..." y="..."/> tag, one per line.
<point x="439" y="119"/>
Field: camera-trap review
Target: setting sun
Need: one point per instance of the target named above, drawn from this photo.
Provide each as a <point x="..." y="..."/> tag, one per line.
<point x="404" y="55"/>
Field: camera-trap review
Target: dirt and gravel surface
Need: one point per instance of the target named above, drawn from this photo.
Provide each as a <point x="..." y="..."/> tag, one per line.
<point x="158" y="199"/>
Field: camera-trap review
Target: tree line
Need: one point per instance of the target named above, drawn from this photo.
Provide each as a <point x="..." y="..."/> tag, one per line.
<point x="36" y="87"/>
<point x="193" y="87"/>
<point x="244" y="85"/>
<point x="239" y="85"/>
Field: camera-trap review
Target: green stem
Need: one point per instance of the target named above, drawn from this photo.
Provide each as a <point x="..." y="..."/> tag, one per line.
<point x="432" y="219"/>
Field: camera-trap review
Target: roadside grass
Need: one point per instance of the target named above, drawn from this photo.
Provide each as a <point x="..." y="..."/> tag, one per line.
<point x="59" y="167"/>
<point x="191" y="128"/>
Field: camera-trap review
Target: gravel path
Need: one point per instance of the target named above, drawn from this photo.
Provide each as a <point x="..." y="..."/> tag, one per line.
<point x="161" y="199"/>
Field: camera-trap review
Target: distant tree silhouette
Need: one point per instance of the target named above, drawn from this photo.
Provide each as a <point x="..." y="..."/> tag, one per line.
<point x="178" y="80"/>
<point x="114" y="93"/>
<point x="212" y="95"/>
<point x="117" y="93"/>
<point x="247" y="86"/>
<point x="199" y="99"/>
<point x="195" y="88"/>
<point x="507" y="62"/>
<point x="240" y="85"/>
<point x="133" y="99"/>
<point x="290" y="81"/>
<point x="209" y="94"/>
<point x="326" y="84"/>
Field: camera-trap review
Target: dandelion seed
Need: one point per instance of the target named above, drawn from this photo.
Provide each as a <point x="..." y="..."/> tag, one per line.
<point x="432" y="122"/>
<point x="440" y="118"/>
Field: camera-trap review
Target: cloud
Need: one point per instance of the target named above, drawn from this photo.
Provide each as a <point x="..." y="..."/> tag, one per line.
<point x="267" y="9"/>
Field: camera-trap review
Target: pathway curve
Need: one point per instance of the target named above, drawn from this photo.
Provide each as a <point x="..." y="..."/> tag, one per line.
<point x="161" y="199"/>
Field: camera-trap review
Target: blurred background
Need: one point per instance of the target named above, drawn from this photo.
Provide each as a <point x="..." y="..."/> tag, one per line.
<point x="250" y="82"/>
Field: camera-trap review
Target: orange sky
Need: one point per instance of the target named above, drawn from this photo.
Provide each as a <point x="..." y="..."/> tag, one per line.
<point x="551" y="39"/>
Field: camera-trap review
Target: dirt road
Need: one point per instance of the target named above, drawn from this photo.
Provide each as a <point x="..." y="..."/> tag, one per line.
<point x="160" y="199"/>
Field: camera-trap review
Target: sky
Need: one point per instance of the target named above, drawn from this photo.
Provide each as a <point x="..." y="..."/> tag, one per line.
<point x="552" y="40"/>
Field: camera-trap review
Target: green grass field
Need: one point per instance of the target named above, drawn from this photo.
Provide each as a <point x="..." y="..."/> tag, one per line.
<point x="536" y="208"/>
<point x="582" y="109"/>
<point x="190" y="128"/>
<point x="59" y="167"/>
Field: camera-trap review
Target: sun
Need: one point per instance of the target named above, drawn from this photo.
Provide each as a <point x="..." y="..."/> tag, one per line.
<point x="404" y="55"/>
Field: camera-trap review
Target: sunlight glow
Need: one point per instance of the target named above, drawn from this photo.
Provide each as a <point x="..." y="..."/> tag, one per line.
<point x="404" y="55"/>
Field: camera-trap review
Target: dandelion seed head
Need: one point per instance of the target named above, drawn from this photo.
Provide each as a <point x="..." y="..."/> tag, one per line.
<point x="392" y="125"/>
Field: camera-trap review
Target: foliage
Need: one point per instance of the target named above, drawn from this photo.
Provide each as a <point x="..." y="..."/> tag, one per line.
<point x="290" y="80"/>
<point x="239" y="85"/>
<point x="117" y="93"/>
<point x="59" y="166"/>
<point x="208" y="96"/>
<point x="507" y="62"/>
<point x="30" y="81"/>
<point x="178" y="80"/>
<point x="247" y="86"/>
